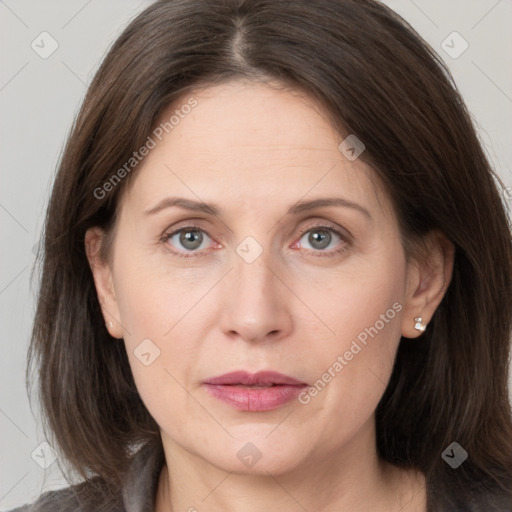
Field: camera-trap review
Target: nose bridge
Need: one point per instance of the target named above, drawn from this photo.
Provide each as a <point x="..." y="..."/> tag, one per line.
<point x="254" y="305"/>
<point x="253" y="275"/>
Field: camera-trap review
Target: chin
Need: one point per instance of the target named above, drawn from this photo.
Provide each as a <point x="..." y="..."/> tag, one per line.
<point x="258" y="454"/>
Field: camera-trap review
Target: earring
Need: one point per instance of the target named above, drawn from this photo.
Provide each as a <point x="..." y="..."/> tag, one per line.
<point x="109" y="324"/>
<point x="418" y="325"/>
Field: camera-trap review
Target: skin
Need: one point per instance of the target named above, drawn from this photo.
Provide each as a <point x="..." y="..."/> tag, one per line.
<point x="293" y="309"/>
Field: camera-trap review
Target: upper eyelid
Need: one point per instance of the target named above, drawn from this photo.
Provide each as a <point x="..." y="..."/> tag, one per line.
<point x="315" y="224"/>
<point x="326" y="225"/>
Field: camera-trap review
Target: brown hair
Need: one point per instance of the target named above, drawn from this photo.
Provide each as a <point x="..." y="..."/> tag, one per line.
<point x="377" y="79"/>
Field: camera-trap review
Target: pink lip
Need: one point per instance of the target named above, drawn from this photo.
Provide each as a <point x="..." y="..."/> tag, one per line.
<point x="234" y="389"/>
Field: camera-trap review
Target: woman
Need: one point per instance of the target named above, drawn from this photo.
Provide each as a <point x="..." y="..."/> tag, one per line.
<point x="277" y="272"/>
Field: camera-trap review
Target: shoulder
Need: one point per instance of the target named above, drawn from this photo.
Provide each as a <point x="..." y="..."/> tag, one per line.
<point x="95" y="495"/>
<point x="89" y="496"/>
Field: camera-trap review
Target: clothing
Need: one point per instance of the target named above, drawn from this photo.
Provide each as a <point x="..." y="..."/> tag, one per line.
<point x="137" y="495"/>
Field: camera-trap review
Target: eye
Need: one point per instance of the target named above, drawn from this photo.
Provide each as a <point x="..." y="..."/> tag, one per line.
<point x="188" y="239"/>
<point x="321" y="238"/>
<point x="192" y="240"/>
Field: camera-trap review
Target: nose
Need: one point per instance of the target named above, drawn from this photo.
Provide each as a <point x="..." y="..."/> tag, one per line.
<point x="256" y="305"/>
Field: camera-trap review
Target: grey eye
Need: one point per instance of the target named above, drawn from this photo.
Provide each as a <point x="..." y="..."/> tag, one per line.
<point x="188" y="239"/>
<point x="318" y="238"/>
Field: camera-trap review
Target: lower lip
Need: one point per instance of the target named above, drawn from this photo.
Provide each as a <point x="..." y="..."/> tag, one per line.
<point x="253" y="399"/>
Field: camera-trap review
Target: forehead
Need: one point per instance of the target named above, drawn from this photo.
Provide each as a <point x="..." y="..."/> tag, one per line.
<point x="255" y="145"/>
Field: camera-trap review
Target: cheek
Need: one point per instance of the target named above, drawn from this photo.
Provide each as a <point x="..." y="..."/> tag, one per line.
<point x="344" y="302"/>
<point x="158" y="310"/>
<point x="346" y="331"/>
<point x="154" y="297"/>
<point x="352" y="361"/>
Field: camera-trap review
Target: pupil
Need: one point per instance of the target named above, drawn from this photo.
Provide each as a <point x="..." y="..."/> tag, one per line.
<point x="320" y="239"/>
<point x="189" y="239"/>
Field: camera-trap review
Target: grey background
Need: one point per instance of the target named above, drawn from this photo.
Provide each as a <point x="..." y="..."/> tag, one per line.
<point x="39" y="99"/>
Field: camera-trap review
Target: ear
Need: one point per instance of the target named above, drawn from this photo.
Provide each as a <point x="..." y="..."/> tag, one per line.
<point x="428" y="277"/>
<point x="102" y="273"/>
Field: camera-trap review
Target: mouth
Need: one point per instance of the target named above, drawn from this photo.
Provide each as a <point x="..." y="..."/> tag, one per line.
<point x="258" y="392"/>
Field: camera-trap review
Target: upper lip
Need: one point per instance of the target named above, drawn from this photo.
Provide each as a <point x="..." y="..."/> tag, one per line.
<point x="261" y="378"/>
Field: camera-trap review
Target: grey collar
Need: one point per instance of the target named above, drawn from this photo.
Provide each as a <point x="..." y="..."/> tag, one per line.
<point x="139" y="490"/>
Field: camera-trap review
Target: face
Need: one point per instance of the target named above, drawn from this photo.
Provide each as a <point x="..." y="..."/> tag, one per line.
<point x="295" y="266"/>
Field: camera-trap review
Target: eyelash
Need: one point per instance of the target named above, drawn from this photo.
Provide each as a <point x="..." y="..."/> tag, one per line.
<point x="323" y="254"/>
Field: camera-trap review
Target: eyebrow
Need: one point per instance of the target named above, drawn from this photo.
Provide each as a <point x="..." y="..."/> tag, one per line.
<point x="211" y="209"/>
